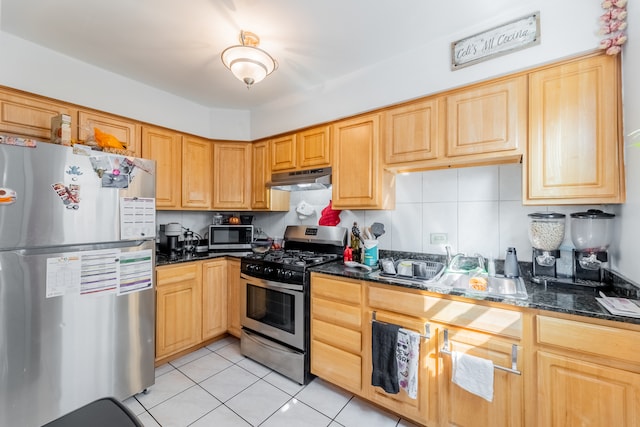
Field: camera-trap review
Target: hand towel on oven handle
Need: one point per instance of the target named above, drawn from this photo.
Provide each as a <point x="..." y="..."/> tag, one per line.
<point x="474" y="374"/>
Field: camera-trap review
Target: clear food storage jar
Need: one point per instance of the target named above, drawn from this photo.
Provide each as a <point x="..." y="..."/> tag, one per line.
<point x="591" y="231"/>
<point x="546" y="230"/>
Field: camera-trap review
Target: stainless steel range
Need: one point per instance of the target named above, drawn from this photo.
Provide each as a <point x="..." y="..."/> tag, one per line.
<point x="275" y="298"/>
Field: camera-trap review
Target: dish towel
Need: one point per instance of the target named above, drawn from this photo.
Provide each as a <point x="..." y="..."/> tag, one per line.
<point x="473" y="374"/>
<point x="384" y="338"/>
<point x="407" y="356"/>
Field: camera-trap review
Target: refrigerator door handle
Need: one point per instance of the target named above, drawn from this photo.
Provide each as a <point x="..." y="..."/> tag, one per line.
<point x="78" y="248"/>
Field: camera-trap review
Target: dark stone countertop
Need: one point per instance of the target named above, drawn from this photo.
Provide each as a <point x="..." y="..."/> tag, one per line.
<point x="568" y="299"/>
<point x="162" y="259"/>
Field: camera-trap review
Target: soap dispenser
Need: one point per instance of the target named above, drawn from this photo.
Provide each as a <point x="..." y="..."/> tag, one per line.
<point x="511" y="268"/>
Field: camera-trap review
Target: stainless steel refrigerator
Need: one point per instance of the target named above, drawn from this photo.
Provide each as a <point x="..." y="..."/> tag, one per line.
<point x="77" y="290"/>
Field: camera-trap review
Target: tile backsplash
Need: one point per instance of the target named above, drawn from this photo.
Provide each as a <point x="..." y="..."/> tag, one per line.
<point x="479" y="209"/>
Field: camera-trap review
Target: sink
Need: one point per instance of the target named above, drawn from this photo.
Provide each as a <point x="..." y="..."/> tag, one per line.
<point x="500" y="286"/>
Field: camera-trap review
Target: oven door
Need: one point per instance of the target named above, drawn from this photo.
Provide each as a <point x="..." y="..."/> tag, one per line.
<point x="273" y="309"/>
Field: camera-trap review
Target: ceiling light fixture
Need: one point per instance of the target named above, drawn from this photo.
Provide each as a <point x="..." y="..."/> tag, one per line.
<point x="247" y="62"/>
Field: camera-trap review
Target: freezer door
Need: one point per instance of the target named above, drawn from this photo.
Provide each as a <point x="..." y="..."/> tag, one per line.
<point x="43" y="214"/>
<point x="62" y="352"/>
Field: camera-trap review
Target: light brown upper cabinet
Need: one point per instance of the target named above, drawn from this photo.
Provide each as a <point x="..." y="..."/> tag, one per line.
<point x="283" y="153"/>
<point x="575" y="142"/>
<point x="263" y="198"/>
<point x="301" y="150"/>
<point x="412" y="132"/>
<point x="487" y="119"/>
<point x="359" y="179"/>
<point x="165" y="147"/>
<point x="128" y="132"/>
<point x="314" y="147"/>
<point x="197" y="172"/>
<point x="232" y="175"/>
<point x="30" y="115"/>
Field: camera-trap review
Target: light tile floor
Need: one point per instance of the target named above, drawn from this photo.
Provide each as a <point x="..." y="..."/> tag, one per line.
<point x="217" y="386"/>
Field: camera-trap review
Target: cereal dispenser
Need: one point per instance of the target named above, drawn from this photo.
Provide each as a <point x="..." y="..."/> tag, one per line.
<point x="546" y="233"/>
<point x="591" y="234"/>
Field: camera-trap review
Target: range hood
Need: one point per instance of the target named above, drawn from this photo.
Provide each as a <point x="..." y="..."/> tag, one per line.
<point x="308" y="179"/>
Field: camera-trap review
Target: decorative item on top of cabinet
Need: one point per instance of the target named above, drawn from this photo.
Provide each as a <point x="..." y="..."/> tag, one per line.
<point x="263" y="198"/>
<point x="487" y="120"/>
<point x="575" y="153"/>
<point x="197" y="172"/>
<point x="232" y="175"/>
<point x="412" y="132"/>
<point x="30" y="115"/>
<point x="165" y="147"/>
<point x="359" y="178"/>
<point x="126" y="131"/>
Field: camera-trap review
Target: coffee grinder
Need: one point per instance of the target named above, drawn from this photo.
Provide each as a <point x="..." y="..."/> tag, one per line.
<point x="546" y="233"/>
<point x="591" y="233"/>
<point x="169" y="239"/>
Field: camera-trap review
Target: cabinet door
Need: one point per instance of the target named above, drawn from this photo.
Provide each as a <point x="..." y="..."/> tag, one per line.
<point x="214" y="298"/>
<point x="165" y="148"/>
<point x="488" y="118"/>
<point x="127" y="131"/>
<point x="232" y="175"/>
<point x="460" y="408"/>
<point x="575" y="151"/>
<point x="197" y="172"/>
<point x="411" y="132"/>
<point x="422" y="409"/>
<point x="359" y="180"/>
<point x="234" y="287"/>
<point x="260" y="174"/>
<point x="572" y="392"/>
<point x="314" y="148"/>
<point x="178" y="305"/>
<point x="283" y="153"/>
<point x="30" y="116"/>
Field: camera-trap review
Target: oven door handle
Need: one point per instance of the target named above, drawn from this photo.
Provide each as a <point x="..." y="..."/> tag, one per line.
<point x="262" y="283"/>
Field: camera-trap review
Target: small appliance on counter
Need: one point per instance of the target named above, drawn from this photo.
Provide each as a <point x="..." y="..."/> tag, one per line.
<point x="229" y="237"/>
<point x="546" y="233"/>
<point x="591" y="235"/>
<point x="170" y="244"/>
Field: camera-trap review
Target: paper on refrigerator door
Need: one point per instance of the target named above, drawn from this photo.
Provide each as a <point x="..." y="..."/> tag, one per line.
<point x="63" y="275"/>
<point x="136" y="271"/>
<point x="137" y="218"/>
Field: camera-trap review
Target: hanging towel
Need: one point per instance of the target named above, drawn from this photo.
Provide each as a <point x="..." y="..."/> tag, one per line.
<point x="407" y="356"/>
<point x="473" y="374"/>
<point x="384" y="338"/>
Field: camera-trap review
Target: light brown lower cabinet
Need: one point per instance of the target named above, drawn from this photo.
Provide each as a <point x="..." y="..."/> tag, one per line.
<point x="587" y="374"/>
<point x="196" y="302"/>
<point x="336" y="331"/>
<point x="234" y="286"/>
<point x="178" y="308"/>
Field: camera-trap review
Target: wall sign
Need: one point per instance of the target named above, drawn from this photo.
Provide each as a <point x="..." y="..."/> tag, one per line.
<point x="515" y="35"/>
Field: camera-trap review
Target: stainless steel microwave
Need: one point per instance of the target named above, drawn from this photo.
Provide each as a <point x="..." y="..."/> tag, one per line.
<point x="230" y="237"/>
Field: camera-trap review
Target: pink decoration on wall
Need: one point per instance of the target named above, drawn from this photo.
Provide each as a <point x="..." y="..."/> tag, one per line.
<point x="613" y="25"/>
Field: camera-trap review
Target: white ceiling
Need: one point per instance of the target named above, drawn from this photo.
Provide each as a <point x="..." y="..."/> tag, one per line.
<point x="175" y="45"/>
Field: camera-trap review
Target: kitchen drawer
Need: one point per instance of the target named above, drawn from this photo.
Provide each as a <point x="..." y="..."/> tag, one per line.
<point x="599" y="340"/>
<point x="336" y="366"/>
<point x="336" y="313"/>
<point x="346" y="339"/>
<point x="457" y="313"/>
<point x="342" y="290"/>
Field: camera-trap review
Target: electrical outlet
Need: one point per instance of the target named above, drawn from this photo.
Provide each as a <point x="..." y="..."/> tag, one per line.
<point x="439" y="238"/>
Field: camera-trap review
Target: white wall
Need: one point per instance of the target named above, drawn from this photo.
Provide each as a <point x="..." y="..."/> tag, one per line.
<point x="35" y="69"/>
<point x="628" y="221"/>
<point x="567" y="28"/>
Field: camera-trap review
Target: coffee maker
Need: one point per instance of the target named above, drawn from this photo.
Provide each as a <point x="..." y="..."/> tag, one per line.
<point x="170" y="244"/>
<point x="591" y="235"/>
<point x="546" y="233"/>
